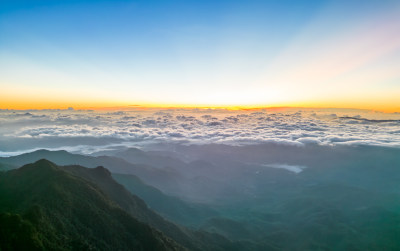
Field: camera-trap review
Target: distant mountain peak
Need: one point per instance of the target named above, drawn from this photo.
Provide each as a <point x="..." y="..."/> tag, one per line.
<point x="44" y="162"/>
<point x="49" y="151"/>
<point x="41" y="164"/>
<point x="45" y="152"/>
<point x="102" y="170"/>
<point x="133" y="150"/>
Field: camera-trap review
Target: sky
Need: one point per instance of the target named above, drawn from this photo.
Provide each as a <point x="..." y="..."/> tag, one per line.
<point x="237" y="54"/>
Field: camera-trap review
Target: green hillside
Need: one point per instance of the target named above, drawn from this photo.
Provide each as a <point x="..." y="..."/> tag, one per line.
<point x="46" y="208"/>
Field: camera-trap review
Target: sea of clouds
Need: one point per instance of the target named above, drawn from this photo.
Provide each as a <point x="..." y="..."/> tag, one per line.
<point x="87" y="132"/>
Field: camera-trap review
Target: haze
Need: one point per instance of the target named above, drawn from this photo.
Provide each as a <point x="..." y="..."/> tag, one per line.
<point x="200" y="125"/>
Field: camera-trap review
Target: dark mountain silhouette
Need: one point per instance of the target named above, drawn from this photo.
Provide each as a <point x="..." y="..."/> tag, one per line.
<point x="346" y="197"/>
<point x="42" y="197"/>
<point x="170" y="207"/>
<point x="165" y="179"/>
<point x="134" y="205"/>
<point x="46" y="208"/>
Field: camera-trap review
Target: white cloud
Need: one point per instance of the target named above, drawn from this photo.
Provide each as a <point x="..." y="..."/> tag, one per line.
<point x="292" y="168"/>
<point x="60" y="128"/>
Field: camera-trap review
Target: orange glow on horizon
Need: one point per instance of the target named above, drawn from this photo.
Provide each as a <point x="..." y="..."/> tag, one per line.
<point x="110" y="105"/>
<point x="30" y="98"/>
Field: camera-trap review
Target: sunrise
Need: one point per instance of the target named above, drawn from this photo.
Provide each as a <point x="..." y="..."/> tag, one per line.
<point x="200" y="125"/>
<point x="100" y="53"/>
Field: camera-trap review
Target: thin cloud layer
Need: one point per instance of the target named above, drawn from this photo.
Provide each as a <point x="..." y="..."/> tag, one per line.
<point x="89" y="131"/>
<point x="292" y="168"/>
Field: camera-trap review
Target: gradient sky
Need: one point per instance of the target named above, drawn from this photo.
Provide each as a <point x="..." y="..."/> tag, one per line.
<point x="56" y="54"/>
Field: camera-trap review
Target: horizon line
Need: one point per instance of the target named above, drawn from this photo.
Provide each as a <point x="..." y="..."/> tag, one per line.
<point x="189" y="107"/>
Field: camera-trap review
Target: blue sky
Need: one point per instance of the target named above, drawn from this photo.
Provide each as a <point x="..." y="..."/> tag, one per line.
<point x="218" y="53"/>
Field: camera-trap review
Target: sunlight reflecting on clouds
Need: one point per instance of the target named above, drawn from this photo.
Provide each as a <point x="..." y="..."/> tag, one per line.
<point x="63" y="128"/>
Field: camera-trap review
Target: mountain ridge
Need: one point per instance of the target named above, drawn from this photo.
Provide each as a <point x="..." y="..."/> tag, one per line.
<point x="66" y="212"/>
